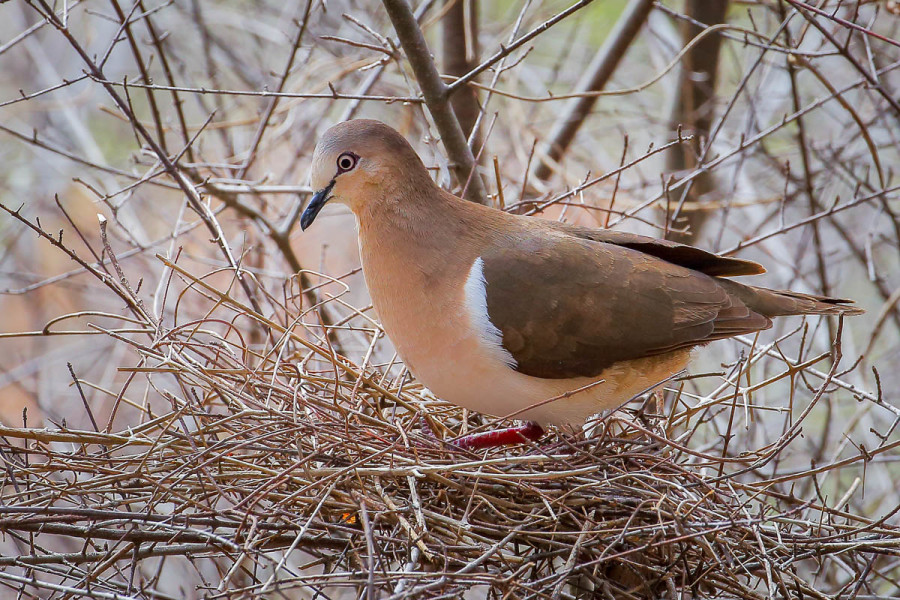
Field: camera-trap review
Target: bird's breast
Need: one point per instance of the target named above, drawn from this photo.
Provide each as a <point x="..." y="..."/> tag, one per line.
<point x="419" y="307"/>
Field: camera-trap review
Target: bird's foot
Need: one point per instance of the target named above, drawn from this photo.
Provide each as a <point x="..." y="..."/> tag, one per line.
<point x="529" y="432"/>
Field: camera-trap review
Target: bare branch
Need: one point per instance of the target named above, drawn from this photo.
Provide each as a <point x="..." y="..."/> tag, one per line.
<point x="459" y="33"/>
<point x="436" y="95"/>
<point x="597" y="74"/>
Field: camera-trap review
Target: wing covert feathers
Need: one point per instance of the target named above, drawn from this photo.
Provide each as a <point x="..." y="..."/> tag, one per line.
<point x="573" y="304"/>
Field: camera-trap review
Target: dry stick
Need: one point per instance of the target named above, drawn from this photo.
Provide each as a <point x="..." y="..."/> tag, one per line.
<point x="612" y="198"/>
<point x="370" y="81"/>
<point x="167" y="70"/>
<point x="870" y="78"/>
<point x="166" y="536"/>
<point x="573" y="556"/>
<point x="125" y="294"/>
<point x="835" y="208"/>
<point x="332" y="95"/>
<point x="75" y="558"/>
<point x="745" y="143"/>
<point x="23" y="97"/>
<point x="887" y="309"/>
<point x="281" y="237"/>
<point x="498" y="71"/>
<point x="836" y="160"/>
<point x="29" y="32"/>
<point x="125" y="23"/>
<point x="357" y="44"/>
<point x="615" y="172"/>
<point x="281" y="329"/>
<point x="702" y="165"/>
<point x="437" y="98"/>
<point x="808" y="186"/>
<point x="549" y="97"/>
<point x="68" y="590"/>
<point x="595" y="78"/>
<point x="844" y="22"/>
<point x="375" y="74"/>
<point x="505" y="50"/>
<point x="32" y="138"/>
<point x="471" y="566"/>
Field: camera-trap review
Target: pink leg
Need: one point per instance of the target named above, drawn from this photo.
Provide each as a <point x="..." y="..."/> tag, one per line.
<point x="531" y="431"/>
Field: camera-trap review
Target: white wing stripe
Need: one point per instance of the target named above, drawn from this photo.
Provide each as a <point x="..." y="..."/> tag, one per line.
<point x="476" y="303"/>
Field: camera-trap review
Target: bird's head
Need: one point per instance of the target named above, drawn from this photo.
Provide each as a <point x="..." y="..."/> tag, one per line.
<point x="361" y="162"/>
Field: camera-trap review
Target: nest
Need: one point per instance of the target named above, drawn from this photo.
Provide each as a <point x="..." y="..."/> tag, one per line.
<point x="264" y="464"/>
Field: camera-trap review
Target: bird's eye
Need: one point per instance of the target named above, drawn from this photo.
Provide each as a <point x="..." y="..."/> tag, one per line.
<point x="346" y="162"/>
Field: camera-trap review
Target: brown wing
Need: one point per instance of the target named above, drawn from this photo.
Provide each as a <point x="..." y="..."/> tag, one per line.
<point x="569" y="306"/>
<point x="673" y="252"/>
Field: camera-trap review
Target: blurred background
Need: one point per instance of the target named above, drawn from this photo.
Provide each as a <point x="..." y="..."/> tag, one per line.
<point x="765" y="129"/>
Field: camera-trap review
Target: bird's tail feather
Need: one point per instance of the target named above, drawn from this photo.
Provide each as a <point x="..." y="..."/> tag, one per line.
<point x="777" y="303"/>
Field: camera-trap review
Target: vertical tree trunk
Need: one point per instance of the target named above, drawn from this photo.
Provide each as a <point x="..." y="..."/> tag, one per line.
<point x="693" y="108"/>
<point x="460" y="54"/>
<point x="595" y="78"/>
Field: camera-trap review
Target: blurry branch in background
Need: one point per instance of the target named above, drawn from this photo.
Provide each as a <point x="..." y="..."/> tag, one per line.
<point x="203" y="91"/>
<point x="459" y="35"/>
<point x="808" y="184"/>
<point x="177" y="102"/>
<point x="693" y="106"/>
<point x="273" y="102"/>
<point x="595" y="78"/>
<point x="117" y="283"/>
<point x="375" y="74"/>
<point x="509" y="48"/>
<point x="279" y="234"/>
<point x="880" y="84"/>
<point x="437" y="99"/>
<point x="189" y="180"/>
<point x="124" y="105"/>
<point x="798" y="63"/>
<point x="436" y="93"/>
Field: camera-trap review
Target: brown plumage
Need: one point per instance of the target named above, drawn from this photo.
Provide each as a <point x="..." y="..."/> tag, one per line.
<point x="500" y="313"/>
<point x="575" y="304"/>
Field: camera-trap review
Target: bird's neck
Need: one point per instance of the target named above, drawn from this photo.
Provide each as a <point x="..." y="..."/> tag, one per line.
<point x="406" y="247"/>
<point x="419" y="226"/>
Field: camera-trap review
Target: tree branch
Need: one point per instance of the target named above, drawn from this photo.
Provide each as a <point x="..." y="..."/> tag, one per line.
<point x="595" y="79"/>
<point x="693" y="109"/>
<point x="437" y="98"/>
<point x="506" y="50"/>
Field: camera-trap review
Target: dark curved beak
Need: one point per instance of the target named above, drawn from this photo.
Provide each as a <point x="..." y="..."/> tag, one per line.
<point x="315" y="205"/>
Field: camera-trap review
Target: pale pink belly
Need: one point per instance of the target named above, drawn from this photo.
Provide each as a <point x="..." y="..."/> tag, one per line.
<point x="502" y="392"/>
<point x="457" y="367"/>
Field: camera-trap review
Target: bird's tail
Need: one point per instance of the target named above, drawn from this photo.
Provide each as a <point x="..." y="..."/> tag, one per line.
<point x="777" y="303"/>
